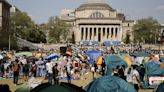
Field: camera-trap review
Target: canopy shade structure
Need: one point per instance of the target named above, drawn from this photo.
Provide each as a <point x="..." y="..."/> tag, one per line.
<point x="23" y="53"/>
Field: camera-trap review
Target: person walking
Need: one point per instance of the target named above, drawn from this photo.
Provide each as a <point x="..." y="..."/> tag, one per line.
<point x="16" y="68"/>
<point x="55" y="74"/>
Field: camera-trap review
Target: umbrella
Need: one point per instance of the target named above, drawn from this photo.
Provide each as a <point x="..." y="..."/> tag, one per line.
<point x="52" y="56"/>
<point x="23" y="53"/>
<point x="112" y="61"/>
<point x="109" y="84"/>
<point x="62" y="87"/>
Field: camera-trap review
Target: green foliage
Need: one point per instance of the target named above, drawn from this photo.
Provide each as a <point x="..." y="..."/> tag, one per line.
<point x="146" y="30"/>
<point x="23" y="26"/>
<point x="58" y="30"/>
<point x="4" y="42"/>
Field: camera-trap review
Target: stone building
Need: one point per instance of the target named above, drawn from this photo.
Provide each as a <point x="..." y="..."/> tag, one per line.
<point x="97" y="21"/>
<point x="4" y="15"/>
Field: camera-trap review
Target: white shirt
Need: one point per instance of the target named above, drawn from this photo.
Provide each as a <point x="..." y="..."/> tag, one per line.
<point x="135" y="75"/>
<point x="49" y="67"/>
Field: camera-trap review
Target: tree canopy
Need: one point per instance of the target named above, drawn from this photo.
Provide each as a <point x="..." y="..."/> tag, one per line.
<point x="146" y="30"/>
<point x="22" y="26"/>
<point x="59" y="31"/>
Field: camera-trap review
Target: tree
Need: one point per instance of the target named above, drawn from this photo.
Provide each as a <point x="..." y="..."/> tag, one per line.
<point x="22" y="26"/>
<point x="58" y="30"/>
<point x="146" y="30"/>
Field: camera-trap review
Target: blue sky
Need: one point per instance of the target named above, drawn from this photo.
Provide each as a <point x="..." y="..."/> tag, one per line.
<point x="41" y="10"/>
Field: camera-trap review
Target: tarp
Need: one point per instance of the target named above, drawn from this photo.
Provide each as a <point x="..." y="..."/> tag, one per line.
<point x="93" y="55"/>
<point x="153" y="69"/>
<point x="112" y="61"/>
<point x="109" y="84"/>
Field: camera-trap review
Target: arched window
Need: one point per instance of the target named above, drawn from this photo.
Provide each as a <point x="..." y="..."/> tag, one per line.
<point x="96" y="15"/>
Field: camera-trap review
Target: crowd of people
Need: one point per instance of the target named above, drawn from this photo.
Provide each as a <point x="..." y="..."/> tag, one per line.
<point x="69" y="67"/>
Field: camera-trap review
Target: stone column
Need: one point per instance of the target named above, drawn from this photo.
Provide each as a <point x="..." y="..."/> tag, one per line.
<point x="114" y="33"/>
<point x="120" y="33"/>
<point x="92" y="33"/>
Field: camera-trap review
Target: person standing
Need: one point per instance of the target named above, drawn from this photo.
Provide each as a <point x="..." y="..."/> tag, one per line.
<point x="34" y="68"/>
<point x="2" y="69"/>
<point x="16" y="68"/>
<point x="49" y="67"/>
<point x="55" y="74"/>
<point x="103" y="67"/>
<point x="135" y="78"/>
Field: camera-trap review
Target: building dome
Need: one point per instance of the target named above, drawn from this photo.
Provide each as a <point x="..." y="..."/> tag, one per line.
<point x="94" y="5"/>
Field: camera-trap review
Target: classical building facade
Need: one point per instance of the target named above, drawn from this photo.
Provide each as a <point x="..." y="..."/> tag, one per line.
<point x="97" y="21"/>
<point x="4" y="15"/>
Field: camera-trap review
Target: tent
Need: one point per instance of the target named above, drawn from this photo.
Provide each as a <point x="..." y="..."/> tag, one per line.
<point x="62" y="87"/>
<point x="112" y="61"/>
<point x="141" y="54"/>
<point x="127" y="59"/>
<point x="109" y="84"/>
<point x="52" y="56"/>
<point x="93" y="55"/>
<point x="160" y="88"/>
<point x="154" y="69"/>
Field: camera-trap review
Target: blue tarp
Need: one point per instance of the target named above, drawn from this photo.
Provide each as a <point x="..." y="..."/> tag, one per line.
<point x="109" y="84"/>
<point x="116" y="42"/>
<point x="112" y="61"/>
<point x="153" y="69"/>
<point x="93" y="55"/>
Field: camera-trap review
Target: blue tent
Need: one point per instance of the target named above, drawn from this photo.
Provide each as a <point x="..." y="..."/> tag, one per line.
<point x="93" y="55"/>
<point x="109" y="84"/>
<point x="112" y="61"/>
<point x="52" y="56"/>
